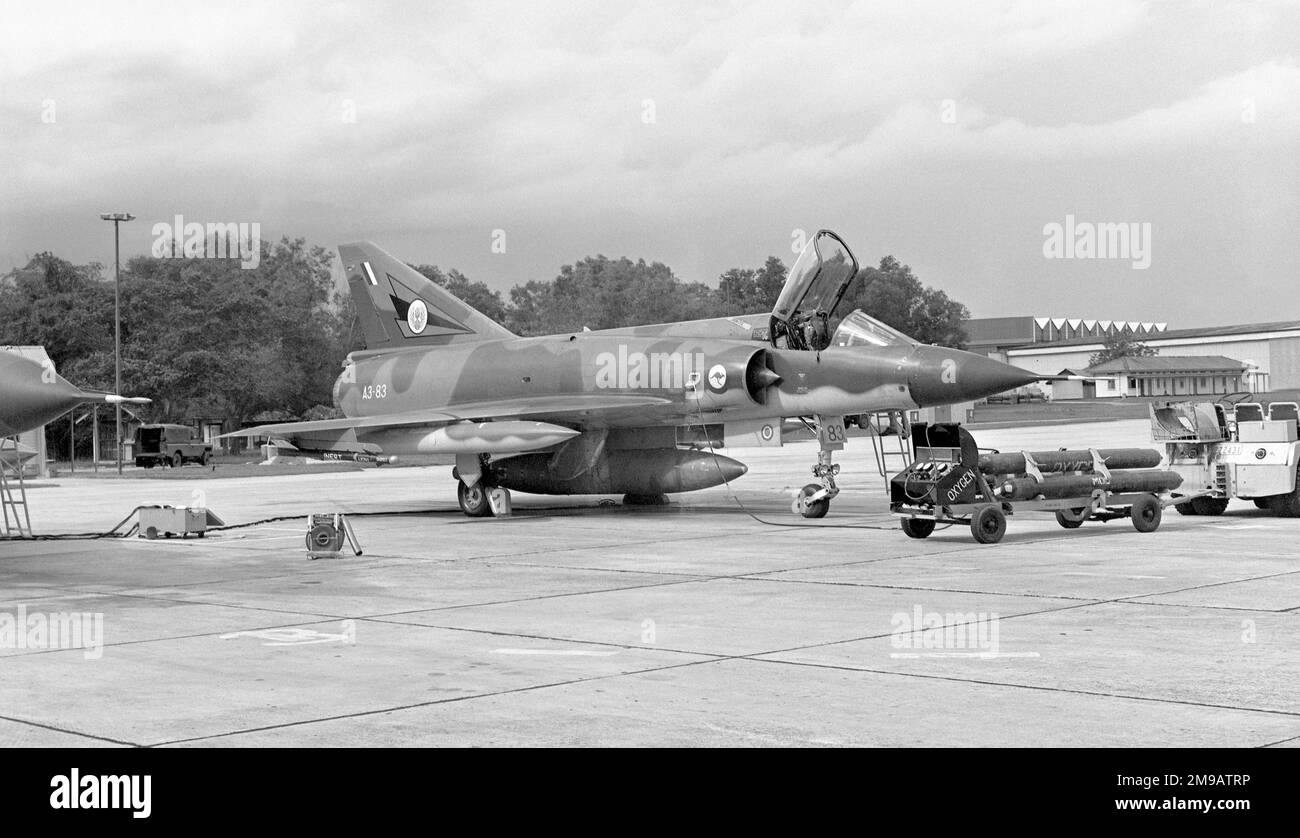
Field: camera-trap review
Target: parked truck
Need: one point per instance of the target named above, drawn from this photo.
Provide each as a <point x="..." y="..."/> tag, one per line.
<point x="1243" y="448"/>
<point x="169" y="445"/>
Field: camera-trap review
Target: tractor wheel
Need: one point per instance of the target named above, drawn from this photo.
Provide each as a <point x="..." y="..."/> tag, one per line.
<point x="917" y="527"/>
<point x="1288" y="505"/>
<point x="1186" y="508"/>
<point x="1206" y="505"/>
<point x="177" y="460"/>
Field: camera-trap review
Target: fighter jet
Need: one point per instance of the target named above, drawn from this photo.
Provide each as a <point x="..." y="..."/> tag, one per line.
<point x="634" y="411"/>
<point x="32" y="394"/>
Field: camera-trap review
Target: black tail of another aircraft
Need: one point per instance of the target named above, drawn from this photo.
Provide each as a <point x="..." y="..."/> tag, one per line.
<point x="398" y="306"/>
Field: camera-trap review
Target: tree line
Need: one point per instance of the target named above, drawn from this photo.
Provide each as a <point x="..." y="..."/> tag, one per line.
<point x="205" y="338"/>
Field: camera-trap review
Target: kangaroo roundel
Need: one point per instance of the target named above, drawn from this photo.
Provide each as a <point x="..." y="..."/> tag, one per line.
<point x="417" y="316"/>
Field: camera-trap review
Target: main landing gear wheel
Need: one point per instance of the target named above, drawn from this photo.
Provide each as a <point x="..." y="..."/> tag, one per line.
<point x="812" y="508"/>
<point x="917" y="527"/>
<point x="1146" y="514"/>
<point x="474" y="499"/>
<point x="1071" y="518"/>
<point x="988" y="525"/>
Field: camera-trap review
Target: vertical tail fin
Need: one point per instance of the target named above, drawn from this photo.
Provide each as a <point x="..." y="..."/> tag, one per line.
<point x="398" y="306"/>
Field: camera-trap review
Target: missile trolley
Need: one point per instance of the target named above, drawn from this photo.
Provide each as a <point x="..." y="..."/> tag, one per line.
<point x="951" y="482"/>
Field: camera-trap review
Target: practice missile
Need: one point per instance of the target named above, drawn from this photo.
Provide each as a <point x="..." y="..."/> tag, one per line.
<point x="1066" y="461"/>
<point x="32" y="394"/>
<point x="338" y="456"/>
<point x="1082" y="485"/>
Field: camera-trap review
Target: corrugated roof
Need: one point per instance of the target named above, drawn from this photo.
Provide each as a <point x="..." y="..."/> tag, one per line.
<point x="1170" y="364"/>
<point x="1178" y="334"/>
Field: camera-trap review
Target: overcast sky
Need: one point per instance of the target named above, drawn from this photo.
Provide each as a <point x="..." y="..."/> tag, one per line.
<point x="699" y="135"/>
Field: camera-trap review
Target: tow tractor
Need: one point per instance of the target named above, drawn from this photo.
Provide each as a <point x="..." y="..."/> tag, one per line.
<point x="951" y="482"/>
<point x="1244" y="448"/>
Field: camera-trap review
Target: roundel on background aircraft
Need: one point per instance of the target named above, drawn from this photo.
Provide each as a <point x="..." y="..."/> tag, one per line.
<point x="417" y="316"/>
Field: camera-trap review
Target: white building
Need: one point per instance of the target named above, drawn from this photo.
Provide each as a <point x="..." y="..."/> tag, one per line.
<point x="1268" y="352"/>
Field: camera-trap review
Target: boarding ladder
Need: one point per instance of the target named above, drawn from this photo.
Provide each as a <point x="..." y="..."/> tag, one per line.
<point x="890" y="433"/>
<point x="12" y="496"/>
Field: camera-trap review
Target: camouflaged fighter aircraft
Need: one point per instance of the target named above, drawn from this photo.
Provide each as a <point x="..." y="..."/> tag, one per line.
<point x="633" y="411"/>
<point x="32" y="394"/>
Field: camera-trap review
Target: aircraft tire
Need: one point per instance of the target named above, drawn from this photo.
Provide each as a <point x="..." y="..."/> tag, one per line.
<point x="474" y="499"/>
<point x="815" y="509"/>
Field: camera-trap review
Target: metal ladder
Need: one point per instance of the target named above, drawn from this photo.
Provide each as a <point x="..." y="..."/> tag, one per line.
<point x="876" y="423"/>
<point x="11" y="498"/>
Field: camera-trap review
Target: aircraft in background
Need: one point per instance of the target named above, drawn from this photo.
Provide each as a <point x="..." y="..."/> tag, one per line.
<point x="33" y="394"/>
<point x="634" y="411"/>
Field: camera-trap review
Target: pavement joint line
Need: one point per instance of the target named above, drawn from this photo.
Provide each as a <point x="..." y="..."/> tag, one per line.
<point x="1068" y="607"/>
<point x="182" y="601"/>
<point x="539" y="598"/>
<point x="69" y="731"/>
<point x="634" y="647"/>
<point x="1280" y="742"/>
<point x="1208" y="607"/>
<point x="1036" y="687"/>
<point x="431" y="703"/>
<point x="143" y="640"/>
<point x="882" y="587"/>
<point x="1217" y="584"/>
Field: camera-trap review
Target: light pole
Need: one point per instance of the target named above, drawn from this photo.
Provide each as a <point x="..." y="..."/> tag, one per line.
<point x="117" y="218"/>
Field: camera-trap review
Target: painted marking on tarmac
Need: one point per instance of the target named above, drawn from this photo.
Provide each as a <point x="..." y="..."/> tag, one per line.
<point x="1243" y="526"/>
<point x="979" y="655"/>
<point x="1113" y="575"/>
<point x="591" y="653"/>
<point x="298" y="636"/>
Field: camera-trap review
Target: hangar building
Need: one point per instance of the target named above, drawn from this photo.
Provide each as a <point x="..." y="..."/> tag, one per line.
<point x="1266" y="355"/>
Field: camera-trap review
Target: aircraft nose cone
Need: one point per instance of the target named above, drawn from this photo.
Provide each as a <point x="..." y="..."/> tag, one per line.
<point x="949" y="376"/>
<point x="31" y="395"/>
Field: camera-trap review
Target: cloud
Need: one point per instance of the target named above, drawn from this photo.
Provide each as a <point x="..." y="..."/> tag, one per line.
<point x="533" y="116"/>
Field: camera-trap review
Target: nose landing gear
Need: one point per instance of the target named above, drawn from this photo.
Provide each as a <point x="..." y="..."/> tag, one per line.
<point x="814" y="500"/>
